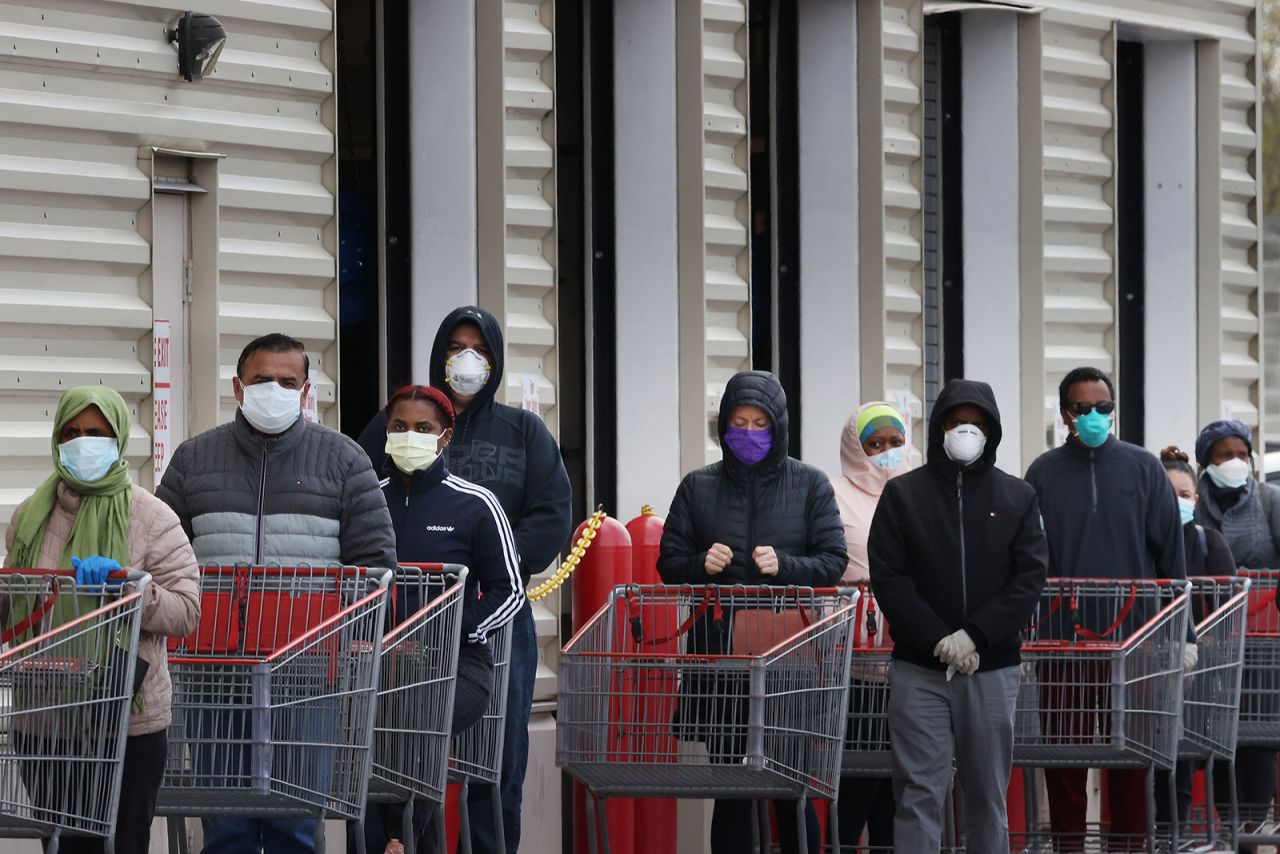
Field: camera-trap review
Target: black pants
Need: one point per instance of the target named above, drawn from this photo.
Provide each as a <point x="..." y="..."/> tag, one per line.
<point x="144" y="758"/>
<point x="732" y="820"/>
<point x="866" y="802"/>
<point x="1184" y="772"/>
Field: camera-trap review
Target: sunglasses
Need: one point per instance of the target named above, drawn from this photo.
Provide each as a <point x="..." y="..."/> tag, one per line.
<point x="1104" y="407"/>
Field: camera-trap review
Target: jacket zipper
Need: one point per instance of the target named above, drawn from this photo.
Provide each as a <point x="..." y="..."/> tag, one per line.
<point x="964" y="571"/>
<point x="751" y="519"/>
<point x="262" y="500"/>
<point x="1093" y="481"/>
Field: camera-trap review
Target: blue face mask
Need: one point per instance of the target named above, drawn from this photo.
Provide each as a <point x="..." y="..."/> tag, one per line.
<point x="891" y="458"/>
<point x="88" y="458"/>
<point x="1093" y="428"/>
<point x="1187" y="510"/>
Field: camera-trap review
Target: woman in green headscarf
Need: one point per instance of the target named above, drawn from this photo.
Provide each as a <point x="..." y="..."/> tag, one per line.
<point x="89" y="516"/>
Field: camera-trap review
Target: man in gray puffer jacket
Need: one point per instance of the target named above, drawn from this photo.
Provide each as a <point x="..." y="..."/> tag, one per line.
<point x="271" y="487"/>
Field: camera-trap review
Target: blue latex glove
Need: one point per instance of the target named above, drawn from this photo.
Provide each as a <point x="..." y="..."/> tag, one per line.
<point x="93" y="570"/>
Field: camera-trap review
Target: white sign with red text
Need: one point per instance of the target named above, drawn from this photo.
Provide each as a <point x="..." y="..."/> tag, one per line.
<point x="161" y="395"/>
<point x="311" y="405"/>
<point x="529" y="395"/>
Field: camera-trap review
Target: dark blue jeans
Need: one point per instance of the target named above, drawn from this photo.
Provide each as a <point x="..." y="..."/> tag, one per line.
<point x="515" y="750"/>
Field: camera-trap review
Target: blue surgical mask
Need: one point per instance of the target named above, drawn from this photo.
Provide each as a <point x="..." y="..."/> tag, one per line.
<point x="88" y="458"/>
<point x="1187" y="510"/>
<point x="891" y="458"/>
<point x="1093" y="428"/>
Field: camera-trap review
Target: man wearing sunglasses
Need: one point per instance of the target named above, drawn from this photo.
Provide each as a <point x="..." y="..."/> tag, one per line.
<point x="1109" y="512"/>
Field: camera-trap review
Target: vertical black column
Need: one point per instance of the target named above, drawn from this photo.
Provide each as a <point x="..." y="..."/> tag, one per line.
<point x="1131" y="242"/>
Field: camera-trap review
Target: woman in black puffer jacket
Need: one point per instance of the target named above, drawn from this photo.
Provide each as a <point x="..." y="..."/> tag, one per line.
<point x="756" y="517"/>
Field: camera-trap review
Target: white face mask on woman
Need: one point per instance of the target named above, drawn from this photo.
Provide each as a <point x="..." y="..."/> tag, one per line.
<point x="412" y="451"/>
<point x="1232" y="474"/>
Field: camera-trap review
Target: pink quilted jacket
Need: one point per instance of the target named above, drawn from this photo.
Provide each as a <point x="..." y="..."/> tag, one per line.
<point x="158" y="545"/>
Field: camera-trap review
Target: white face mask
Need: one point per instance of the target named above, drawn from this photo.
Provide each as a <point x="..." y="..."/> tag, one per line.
<point x="89" y="458"/>
<point x="412" y="451"/>
<point x="467" y="372"/>
<point x="964" y="443"/>
<point x="270" y="407"/>
<point x="1232" y="474"/>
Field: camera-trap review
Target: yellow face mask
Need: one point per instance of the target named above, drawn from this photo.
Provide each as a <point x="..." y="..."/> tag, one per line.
<point x="412" y="451"/>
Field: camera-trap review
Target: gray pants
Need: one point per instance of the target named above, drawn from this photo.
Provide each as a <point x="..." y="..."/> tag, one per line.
<point x="932" y="720"/>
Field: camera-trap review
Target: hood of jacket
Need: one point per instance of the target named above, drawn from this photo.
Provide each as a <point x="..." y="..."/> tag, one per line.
<point x="761" y="389"/>
<point x="491" y="331"/>
<point x="857" y="466"/>
<point x="959" y="393"/>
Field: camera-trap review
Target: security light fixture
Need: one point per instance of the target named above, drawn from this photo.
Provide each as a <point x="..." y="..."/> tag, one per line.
<point x="198" y="38"/>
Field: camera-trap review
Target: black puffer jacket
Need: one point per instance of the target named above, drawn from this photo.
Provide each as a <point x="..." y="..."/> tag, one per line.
<point x="958" y="548"/>
<point x="778" y="502"/>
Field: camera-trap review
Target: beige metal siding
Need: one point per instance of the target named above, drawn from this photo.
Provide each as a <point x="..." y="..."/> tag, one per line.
<point x="891" y="122"/>
<point x="1079" y="242"/>
<point x="516" y="181"/>
<point x="83" y="90"/>
<point x="903" y="190"/>
<point x="713" y="202"/>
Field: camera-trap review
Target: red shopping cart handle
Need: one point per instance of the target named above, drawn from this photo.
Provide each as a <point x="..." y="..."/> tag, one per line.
<point x="425" y="567"/>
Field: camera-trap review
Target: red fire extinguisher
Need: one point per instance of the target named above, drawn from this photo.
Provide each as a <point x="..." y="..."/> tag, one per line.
<point x="605" y="563"/>
<point x="655" y="818"/>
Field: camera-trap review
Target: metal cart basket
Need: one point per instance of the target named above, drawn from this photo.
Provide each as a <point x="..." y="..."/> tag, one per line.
<point x="1211" y="697"/>
<point x="411" y="733"/>
<point x="274" y="694"/>
<point x="67" y="681"/>
<point x="1102" y="684"/>
<point x="756" y="677"/>
<point x="1260" y="696"/>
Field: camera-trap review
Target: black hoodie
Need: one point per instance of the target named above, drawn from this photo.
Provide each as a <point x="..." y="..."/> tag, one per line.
<point x="778" y="502"/>
<point x="508" y="451"/>
<point x="956" y="547"/>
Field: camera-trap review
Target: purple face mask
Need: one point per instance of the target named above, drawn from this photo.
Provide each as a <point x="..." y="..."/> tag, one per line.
<point x="748" y="446"/>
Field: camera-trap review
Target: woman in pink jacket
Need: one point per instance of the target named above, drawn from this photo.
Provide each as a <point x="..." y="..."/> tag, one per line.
<point x="873" y="449"/>
<point x="88" y="515"/>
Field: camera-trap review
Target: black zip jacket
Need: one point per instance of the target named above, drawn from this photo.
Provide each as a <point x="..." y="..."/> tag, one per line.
<point x="778" y="502"/>
<point x="506" y="450"/>
<point x="956" y="548"/>
<point x="441" y="518"/>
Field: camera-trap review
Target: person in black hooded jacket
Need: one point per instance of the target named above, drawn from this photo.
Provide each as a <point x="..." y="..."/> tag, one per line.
<point x="958" y="557"/>
<point x="511" y="453"/>
<point x="756" y="517"/>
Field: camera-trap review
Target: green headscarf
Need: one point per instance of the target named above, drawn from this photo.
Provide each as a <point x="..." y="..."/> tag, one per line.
<point x="101" y="526"/>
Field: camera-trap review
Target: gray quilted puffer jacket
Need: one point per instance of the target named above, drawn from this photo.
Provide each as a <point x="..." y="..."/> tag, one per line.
<point x="1251" y="527"/>
<point x="307" y="495"/>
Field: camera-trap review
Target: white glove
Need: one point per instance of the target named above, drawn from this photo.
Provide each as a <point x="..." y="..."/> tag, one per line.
<point x="969" y="665"/>
<point x="954" y="648"/>
<point x="1190" y="655"/>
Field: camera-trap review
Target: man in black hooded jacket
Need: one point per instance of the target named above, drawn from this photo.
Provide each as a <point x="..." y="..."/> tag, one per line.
<point x="958" y="558"/>
<point x="511" y="453"/>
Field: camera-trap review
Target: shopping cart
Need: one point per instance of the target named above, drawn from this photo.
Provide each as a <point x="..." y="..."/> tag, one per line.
<point x="273" y="695"/>
<point x="1102" y="688"/>
<point x="1211" y="697"/>
<point x="1260" y="698"/>
<point x="866" y="746"/>
<point x="411" y="733"/>
<point x="67" y="681"/>
<point x="757" y="676"/>
<point x="475" y="756"/>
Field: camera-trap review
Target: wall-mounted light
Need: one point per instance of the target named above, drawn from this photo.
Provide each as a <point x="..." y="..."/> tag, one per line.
<point x="198" y="38"/>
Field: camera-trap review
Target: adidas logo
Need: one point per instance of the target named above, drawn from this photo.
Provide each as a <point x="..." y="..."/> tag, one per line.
<point x="441" y="528"/>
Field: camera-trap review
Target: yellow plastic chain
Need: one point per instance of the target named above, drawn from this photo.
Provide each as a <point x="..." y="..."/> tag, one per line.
<point x="575" y="557"/>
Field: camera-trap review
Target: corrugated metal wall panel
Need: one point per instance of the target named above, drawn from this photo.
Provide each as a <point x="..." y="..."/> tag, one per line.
<point x="529" y="140"/>
<point x="1079" y="252"/>
<point x="726" y="209"/>
<point x="1241" y="305"/>
<point x="83" y="88"/>
<point x="903" y="35"/>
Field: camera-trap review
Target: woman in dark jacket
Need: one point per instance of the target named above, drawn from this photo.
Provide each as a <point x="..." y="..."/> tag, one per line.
<point x="1247" y="512"/>
<point x="756" y="517"/>
<point x="441" y="518"/>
